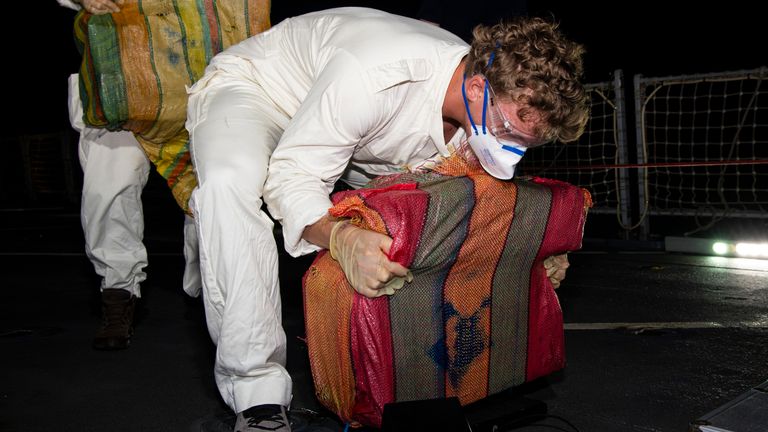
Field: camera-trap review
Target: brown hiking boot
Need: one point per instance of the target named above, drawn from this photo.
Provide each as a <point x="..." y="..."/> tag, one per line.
<point x="117" y="307"/>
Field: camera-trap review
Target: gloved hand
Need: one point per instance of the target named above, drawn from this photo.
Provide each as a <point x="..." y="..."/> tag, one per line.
<point x="555" y="267"/>
<point x="101" y="7"/>
<point x="362" y="255"/>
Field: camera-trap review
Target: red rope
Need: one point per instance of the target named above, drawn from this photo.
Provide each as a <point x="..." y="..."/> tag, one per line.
<point x="648" y="165"/>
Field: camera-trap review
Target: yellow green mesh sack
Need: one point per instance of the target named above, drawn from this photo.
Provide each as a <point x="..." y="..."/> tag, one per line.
<point x="137" y="63"/>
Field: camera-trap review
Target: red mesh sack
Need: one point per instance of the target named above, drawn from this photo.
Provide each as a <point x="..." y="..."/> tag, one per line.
<point x="480" y="316"/>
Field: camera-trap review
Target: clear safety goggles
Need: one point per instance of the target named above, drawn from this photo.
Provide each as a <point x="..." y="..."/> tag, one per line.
<point x="500" y="127"/>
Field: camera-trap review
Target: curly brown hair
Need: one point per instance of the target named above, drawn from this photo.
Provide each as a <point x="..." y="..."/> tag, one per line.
<point x="537" y="67"/>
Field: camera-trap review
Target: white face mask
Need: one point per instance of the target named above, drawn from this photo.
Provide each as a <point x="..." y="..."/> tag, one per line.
<point x="498" y="157"/>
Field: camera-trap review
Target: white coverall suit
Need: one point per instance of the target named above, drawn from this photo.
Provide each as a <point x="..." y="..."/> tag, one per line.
<point x="115" y="171"/>
<point x="349" y="94"/>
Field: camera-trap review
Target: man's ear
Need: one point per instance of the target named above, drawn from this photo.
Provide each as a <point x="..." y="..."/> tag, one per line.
<point x="475" y="87"/>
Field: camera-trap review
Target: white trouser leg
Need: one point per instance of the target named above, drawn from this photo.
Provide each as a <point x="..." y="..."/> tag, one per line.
<point x="233" y="131"/>
<point x="192" y="282"/>
<point x="115" y="171"/>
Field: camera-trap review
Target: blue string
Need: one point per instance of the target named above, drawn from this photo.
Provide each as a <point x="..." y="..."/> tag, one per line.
<point x="346" y="428"/>
<point x="490" y="59"/>
<point x="485" y="103"/>
<point x="466" y="104"/>
<point x="485" y="95"/>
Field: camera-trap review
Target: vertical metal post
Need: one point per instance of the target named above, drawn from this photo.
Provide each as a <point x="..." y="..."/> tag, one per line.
<point x="642" y="173"/>
<point x="622" y="144"/>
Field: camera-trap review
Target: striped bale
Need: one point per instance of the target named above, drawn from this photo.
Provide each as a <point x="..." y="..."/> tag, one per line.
<point x="479" y="317"/>
<point x="136" y="64"/>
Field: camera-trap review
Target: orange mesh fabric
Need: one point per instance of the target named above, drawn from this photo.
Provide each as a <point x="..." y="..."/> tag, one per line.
<point x="331" y="367"/>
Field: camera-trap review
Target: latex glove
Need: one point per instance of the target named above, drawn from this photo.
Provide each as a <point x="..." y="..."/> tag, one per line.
<point x="555" y="267"/>
<point x="395" y="284"/>
<point x="362" y="255"/>
<point x="101" y="7"/>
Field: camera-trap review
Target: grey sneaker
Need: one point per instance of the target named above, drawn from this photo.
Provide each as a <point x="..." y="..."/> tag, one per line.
<point x="263" y="418"/>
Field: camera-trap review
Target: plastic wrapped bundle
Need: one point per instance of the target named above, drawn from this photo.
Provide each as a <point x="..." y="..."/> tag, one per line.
<point x="136" y="64"/>
<point x="480" y="316"/>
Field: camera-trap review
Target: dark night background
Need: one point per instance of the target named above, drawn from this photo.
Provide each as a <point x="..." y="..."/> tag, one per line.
<point x="654" y="38"/>
<point x="627" y="378"/>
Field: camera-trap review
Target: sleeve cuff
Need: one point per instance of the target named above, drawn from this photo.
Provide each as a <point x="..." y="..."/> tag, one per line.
<point x="69" y="4"/>
<point x="293" y="228"/>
